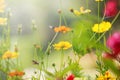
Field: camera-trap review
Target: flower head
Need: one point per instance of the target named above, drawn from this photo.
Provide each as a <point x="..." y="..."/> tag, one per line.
<point x="113" y="43"/>
<point x="98" y="0"/>
<point x="2" y="6"/>
<point x="3" y="21"/>
<point x="111" y="8"/>
<point x="62" y="45"/>
<point x="81" y="11"/>
<point x="9" y="55"/>
<point x="106" y="76"/>
<point x="102" y="27"/>
<point x="16" y="73"/>
<point x="62" y="29"/>
<point x="70" y="77"/>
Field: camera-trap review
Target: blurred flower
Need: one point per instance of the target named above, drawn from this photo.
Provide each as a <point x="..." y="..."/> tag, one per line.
<point x="111" y="8"/>
<point x="3" y="21"/>
<point x="113" y="43"/>
<point x="2" y="6"/>
<point x="70" y="77"/>
<point x="98" y="0"/>
<point x="9" y="55"/>
<point x="62" y="45"/>
<point x="81" y="11"/>
<point x="59" y="11"/>
<point x="16" y="73"/>
<point x="106" y="76"/>
<point x="62" y="29"/>
<point x="102" y="27"/>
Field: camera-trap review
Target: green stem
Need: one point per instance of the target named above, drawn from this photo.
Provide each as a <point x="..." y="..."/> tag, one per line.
<point x="98" y="11"/>
<point x="104" y="41"/>
<point x="92" y="37"/>
<point x="53" y="38"/>
<point x="100" y="37"/>
<point x="62" y="59"/>
<point x="104" y="12"/>
<point x="115" y="17"/>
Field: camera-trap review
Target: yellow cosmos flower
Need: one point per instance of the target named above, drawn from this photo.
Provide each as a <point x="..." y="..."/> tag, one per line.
<point x="3" y="21"/>
<point x="81" y="11"/>
<point x="2" y="6"/>
<point x="9" y="55"/>
<point x="62" y="29"/>
<point x="106" y="76"/>
<point x="102" y="27"/>
<point x="62" y="45"/>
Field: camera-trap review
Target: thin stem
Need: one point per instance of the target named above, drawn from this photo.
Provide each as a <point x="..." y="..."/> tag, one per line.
<point x="100" y="37"/>
<point x="104" y="40"/>
<point x="92" y="37"/>
<point x="64" y="19"/>
<point x="98" y="11"/>
<point x="104" y="12"/>
<point x="62" y="59"/>
<point x="53" y="37"/>
<point x="115" y="17"/>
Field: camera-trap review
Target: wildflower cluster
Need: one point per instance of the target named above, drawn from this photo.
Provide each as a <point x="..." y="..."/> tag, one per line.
<point x="84" y="39"/>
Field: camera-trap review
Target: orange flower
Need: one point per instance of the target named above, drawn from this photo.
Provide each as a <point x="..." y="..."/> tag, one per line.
<point x="62" y="29"/>
<point x="16" y="73"/>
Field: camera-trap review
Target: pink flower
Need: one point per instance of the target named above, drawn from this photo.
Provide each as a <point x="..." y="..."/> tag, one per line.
<point x="111" y="8"/>
<point x="70" y="77"/>
<point x="113" y="43"/>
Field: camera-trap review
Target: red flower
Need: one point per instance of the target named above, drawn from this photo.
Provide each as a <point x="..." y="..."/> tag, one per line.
<point x="70" y="77"/>
<point x="111" y="8"/>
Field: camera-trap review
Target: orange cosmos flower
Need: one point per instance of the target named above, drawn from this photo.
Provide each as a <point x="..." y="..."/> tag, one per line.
<point x="16" y="73"/>
<point x="62" y="29"/>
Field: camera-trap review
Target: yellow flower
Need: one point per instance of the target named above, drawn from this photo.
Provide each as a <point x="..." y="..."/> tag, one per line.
<point x="81" y="11"/>
<point x="2" y="6"/>
<point x="3" y="21"/>
<point x="76" y="12"/>
<point x="106" y="76"/>
<point x="62" y="45"/>
<point x="102" y="27"/>
<point x="98" y="0"/>
<point x="63" y="29"/>
<point x="9" y="55"/>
